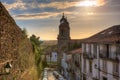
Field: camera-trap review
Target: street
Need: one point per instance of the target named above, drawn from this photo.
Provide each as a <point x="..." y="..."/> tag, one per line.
<point x="50" y="75"/>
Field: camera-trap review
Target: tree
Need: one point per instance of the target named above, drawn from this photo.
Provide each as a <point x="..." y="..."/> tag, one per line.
<point x="24" y="31"/>
<point x="38" y="50"/>
<point x="44" y="62"/>
<point x="35" y="40"/>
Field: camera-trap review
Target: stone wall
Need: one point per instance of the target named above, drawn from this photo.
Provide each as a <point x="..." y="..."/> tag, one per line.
<point x="15" y="48"/>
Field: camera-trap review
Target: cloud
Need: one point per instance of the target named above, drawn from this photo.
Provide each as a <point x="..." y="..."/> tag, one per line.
<point x="19" y="4"/>
<point x="38" y="15"/>
<point x="16" y="5"/>
<point x="92" y="3"/>
<point x="58" y="5"/>
<point x="69" y="4"/>
<point x="45" y="15"/>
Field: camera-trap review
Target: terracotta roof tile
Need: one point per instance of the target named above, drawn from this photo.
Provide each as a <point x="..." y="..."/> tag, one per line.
<point x="76" y="51"/>
<point x="110" y="35"/>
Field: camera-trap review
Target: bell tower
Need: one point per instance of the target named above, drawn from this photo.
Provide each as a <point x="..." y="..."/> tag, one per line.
<point x="64" y="34"/>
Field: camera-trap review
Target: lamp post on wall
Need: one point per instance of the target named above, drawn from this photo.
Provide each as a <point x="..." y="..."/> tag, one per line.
<point x="7" y="68"/>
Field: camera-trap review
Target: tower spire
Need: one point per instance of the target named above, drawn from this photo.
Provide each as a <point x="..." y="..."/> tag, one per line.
<point x="63" y="15"/>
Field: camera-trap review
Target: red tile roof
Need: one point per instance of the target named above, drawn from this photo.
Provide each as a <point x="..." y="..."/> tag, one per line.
<point x="110" y="35"/>
<point x="76" y="51"/>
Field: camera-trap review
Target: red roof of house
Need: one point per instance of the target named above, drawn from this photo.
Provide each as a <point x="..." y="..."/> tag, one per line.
<point x="76" y="51"/>
<point x="110" y="35"/>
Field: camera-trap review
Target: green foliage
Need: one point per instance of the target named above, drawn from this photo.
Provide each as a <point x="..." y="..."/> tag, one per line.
<point x="35" y="40"/>
<point x="14" y="78"/>
<point x="38" y="51"/>
<point x="3" y="78"/>
<point x="44" y="62"/>
<point x="24" y="31"/>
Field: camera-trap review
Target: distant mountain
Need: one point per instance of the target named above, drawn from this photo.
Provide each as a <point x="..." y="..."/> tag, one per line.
<point x="49" y="42"/>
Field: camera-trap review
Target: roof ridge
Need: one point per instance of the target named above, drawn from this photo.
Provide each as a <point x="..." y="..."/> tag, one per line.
<point x="106" y="35"/>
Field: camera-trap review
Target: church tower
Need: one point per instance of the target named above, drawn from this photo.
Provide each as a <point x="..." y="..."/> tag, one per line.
<point x="64" y="34"/>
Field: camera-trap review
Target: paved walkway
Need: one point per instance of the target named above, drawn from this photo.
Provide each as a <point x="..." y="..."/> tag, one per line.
<point x="50" y="75"/>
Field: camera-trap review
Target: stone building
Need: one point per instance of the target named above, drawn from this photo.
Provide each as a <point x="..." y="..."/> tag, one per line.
<point x="51" y="57"/>
<point x="14" y="47"/>
<point x="65" y="43"/>
<point x="64" y="34"/>
<point x="63" y="38"/>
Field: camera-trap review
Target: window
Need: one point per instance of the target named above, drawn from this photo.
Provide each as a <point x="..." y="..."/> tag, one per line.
<point x="118" y="49"/>
<point x="104" y="65"/>
<point x="115" y="67"/>
<point x="90" y="66"/>
<point x="116" y="71"/>
<point x="55" y="55"/>
<point x="84" y="65"/>
<point x="95" y="50"/>
<point x="104" y="78"/>
<point x="89" y="48"/>
<point x="84" y="77"/>
<point x="84" y="48"/>
<point x="107" y="50"/>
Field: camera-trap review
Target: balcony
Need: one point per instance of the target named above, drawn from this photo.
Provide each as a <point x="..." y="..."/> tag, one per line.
<point x="115" y="74"/>
<point x="95" y="78"/>
<point x="88" y="55"/>
<point x="114" y="57"/>
<point x="103" y="55"/>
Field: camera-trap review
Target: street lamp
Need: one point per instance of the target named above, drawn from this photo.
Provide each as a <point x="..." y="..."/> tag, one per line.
<point x="7" y="67"/>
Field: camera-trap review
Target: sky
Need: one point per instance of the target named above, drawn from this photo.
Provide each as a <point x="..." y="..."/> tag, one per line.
<point x="42" y="17"/>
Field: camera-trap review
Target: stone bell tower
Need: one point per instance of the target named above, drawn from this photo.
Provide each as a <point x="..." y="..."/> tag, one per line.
<point x="64" y="34"/>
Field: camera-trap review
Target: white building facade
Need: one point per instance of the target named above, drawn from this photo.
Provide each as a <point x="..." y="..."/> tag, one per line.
<point x="71" y="65"/>
<point x="51" y="57"/>
<point x="101" y="55"/>
<point x="64" y="66"/>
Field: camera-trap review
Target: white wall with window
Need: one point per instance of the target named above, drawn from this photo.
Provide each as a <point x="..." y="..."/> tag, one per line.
<point x="54" y="57"/>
